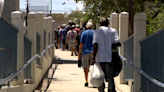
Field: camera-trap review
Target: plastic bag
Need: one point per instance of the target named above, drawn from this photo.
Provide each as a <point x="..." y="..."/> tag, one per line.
<point x="97" y="75"/>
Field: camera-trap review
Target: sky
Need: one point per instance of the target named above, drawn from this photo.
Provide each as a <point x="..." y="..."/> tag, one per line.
<point x="56" y="5"/>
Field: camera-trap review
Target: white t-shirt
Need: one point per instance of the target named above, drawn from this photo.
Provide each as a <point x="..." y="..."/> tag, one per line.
<point x="105" y="37"/>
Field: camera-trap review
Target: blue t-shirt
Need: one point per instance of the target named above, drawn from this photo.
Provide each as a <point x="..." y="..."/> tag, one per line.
<point x="86" y="39"/>
<point x="63" y="32"/>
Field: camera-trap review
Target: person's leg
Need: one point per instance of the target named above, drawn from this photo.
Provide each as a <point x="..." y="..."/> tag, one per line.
<point x="63" y="44"/>
<point x="71" y="49"/>
<point x="86" y="75"/>
<point x="86" y="67"/>
<point x="74" y="50"/>
<point x="110" y="73"/>
<point x="102" y="87"/>
<point x="77" y="48"/>
<point x="58" y="42"/>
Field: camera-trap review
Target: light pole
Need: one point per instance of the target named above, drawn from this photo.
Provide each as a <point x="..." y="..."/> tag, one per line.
<point x="2" y="2"/>
<point x="51" y="9"/>
<point x="27" y="11"/>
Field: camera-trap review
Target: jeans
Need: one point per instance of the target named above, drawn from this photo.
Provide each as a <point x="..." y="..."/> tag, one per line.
<point x="108" y="71"/>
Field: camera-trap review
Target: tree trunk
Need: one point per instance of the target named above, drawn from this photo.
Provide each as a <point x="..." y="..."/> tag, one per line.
<point x="131" y="16"/>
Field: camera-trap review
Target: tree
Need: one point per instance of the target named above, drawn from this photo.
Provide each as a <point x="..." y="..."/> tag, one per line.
<point x="58" y="15"/>
<point x="75" y="14"/>
<point x="105" y="7"/>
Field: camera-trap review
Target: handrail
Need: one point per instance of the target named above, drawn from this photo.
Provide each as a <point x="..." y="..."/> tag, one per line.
<point x="155" y="81"/>
<point x="12" y="76"/>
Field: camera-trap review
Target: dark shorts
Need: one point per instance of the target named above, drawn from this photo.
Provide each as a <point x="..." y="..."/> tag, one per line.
<point x="63" y="41"/>
<point x="77" y="48"/>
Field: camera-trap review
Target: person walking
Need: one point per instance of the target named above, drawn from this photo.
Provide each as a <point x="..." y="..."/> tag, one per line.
<point x="71" y="36"/>
<point x="60" y="35"/>
<point x="86" y="48"/>
<point x="77" y="42"/>
<point x="77" y="29"/>
<point x="66" y="31"/>
<point x="63" y="37"/>
<point x="56" y="38"/>
<point x="103" y="39"/>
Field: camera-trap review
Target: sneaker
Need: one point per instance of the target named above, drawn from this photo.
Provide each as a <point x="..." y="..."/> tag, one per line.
<point x="86" y="84"/>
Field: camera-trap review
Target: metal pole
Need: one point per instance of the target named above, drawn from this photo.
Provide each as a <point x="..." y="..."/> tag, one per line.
<point x="27" y="11"/>
<point x="51" y="8"/>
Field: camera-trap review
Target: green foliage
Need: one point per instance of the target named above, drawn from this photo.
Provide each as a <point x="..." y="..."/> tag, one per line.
<point x="57" y="15"/>
<point x="75" y="14"/>
<point x="153" y="8"/>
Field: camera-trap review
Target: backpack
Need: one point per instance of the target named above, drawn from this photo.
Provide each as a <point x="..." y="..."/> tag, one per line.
<point x="117" y="63"/>
<point x="72" y="35"/>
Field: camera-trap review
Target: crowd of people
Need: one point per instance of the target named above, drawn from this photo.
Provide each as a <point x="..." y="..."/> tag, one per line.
<point x="91" y="46"/>
<point x="66" y="37"/>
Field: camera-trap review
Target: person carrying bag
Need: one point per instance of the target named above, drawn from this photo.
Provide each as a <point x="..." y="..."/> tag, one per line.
<point x="104" y="39"/>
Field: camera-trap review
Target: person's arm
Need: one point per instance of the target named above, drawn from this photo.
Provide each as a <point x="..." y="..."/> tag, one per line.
<point x="95" y="43"/>
<point x="61" y="35"/>
<point x="75" y="44"/>
<point x="116" y="40"/>
<point x="80" y="50"/>
<point x="82" y="41"/>
<point x="68" y="37"/>
<point x="95" y="49"/>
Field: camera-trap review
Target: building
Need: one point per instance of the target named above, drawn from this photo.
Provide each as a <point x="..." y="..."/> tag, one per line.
<point x="10" y="6"/>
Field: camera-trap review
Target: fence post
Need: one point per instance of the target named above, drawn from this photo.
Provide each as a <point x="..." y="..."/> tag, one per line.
<point x="81" y="23"/>
<point x="114" y="20"/>
<point x="17" y="20"/>
<point x="53" y="36"/>
<point x="46" y="30"/>
<point x="40" y="30"/>
<point x="50" y="34"/>
<point x="139" y="34"/>
<point x="76" y="21"/>
<point x="32" y="36"/>
<point x="123" y="36"/>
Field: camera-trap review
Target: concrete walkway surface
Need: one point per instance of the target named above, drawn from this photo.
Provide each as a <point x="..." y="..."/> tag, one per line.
<point x="70" y="78"/>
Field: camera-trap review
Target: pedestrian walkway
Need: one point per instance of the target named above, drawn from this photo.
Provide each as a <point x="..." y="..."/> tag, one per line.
<point x="68" y="77"/>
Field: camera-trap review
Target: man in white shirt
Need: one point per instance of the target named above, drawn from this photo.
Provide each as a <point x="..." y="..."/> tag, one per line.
<point x="103" y="39"/>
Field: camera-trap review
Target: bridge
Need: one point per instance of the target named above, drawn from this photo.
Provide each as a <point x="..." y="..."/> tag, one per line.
<point x="30" y="63"/>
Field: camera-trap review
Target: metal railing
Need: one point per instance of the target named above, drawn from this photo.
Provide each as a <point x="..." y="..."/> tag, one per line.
<point x="12" y="76"/>
<point x="8" y="53"/>
<point x="128" y="53"/>
<point x="27" y="56"/>
<point x="155" y="81"/>
<point x="152" y="52"/>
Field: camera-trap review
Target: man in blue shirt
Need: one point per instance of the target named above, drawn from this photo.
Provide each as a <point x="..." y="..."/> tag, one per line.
<point x="63" y="37"/>
<point x="86" y="47"/>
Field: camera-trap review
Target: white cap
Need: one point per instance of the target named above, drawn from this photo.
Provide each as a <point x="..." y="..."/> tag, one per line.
<point x="89" y="25"/>
<point x="73" y="26"/>
<point x="77" y="25"/>
<point x="64" y="25"/>
<point x="69" y="21"/>
<point x="90" y="20"/>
